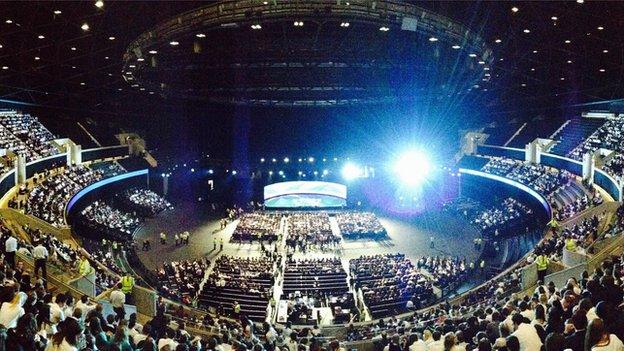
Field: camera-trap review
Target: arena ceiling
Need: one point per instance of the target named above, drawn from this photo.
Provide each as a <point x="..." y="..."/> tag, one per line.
<point x="542" y="54"/>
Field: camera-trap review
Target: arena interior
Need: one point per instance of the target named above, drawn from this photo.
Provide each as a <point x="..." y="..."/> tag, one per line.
<point x="307" y="175"/>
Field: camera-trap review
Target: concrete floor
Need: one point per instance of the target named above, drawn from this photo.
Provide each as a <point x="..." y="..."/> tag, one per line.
<point x="453" y="236"/>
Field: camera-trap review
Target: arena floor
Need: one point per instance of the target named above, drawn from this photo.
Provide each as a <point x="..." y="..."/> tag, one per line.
<point x="452" y="236"/>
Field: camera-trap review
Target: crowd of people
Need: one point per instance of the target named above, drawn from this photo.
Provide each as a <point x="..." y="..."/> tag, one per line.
<point x="543" y="179"/>
<point x="257" y="226"/>
<point x="146" y="202"/>
<point x="52" y="191"/>
<point x="492" y="221"/>
<point x="390" y="284"/>
<point x="549" y="182"/>
<point x="318" y="282"/>
<point x="113" y="223"/>
<point x="24" y="135"/>
<point x="311" y="230"/>
<point x="180" y="281"/>
<point x="446" y="271"/>
<point x="355" y="225"/>
<point x="240" y="285"/>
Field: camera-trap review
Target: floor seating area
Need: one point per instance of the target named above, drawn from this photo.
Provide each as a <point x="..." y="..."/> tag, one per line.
<point x="358" y="225"/>
<point x="310" y="230"/>
<point x="388" y="282"/>
<point x="247" y="282"/>
<point x="257" y="226"/>
<point x="322" y="281"/>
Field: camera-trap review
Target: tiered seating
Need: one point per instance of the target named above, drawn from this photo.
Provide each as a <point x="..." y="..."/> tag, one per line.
<point x="27" y="135"/>
<point x="310" y="230"/>
<point x="108" y="169"/>
<point x="47" y="200"/>
<point x="144" y="201"/>
<point x="180" y="280"/>
<point x="388" y="282"/>
<point x="537" y="128"/>
<point x="501" y="218"/>
<point x="566" y="196"/>
<point x="325" y="276"/>
<point x="447" y="272"/>
<point x="355" y="225"/>
<point x="500" y="133"/>
<point x="109" y="222"/>
<point x="323" y="281"/>
<point x="246" y="281"/>
<point x="574" y="133"/>
<point x="257" y="226"/>
<point x="609" y="136"/>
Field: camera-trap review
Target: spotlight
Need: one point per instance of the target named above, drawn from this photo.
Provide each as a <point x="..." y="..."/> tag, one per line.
<point x="286" y="160"/>
<point x="351" y="171"/>
<point x="412" y="167"/>
<point x="85" y="27"/>
<point x="280" y="173"/>
<point x="174" y="43"/>
<point x="99" y="4"/>
<point x="310" y="159"/>
<point x="344" y="24"/>
<point x="384" y="29"/>
<point x="234" y="172"/>
<point x="210" y="171"/>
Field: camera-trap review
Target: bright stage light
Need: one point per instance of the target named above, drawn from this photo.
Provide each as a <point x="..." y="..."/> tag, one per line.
<point x="412" y="168"/>
<point x="351" y="171"/>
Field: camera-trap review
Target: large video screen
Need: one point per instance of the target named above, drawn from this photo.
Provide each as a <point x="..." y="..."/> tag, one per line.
<point x="301" y="194"/>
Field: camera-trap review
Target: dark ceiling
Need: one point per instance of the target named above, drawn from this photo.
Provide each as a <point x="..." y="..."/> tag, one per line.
<point x="547" y="54"/>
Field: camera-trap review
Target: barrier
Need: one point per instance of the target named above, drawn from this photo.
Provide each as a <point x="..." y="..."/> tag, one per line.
<point x="562" y="276"/>
<point x="104" y="152"/>
<point x="106" y="184"/>
<point x="573" y="258"/>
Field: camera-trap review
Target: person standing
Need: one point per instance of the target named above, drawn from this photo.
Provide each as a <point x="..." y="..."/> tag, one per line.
<point x="118" y="299"/>
<point x="40" y="254"/>
<point x="176" y="238"/>
<point x="221" y="243"/>
<point x="127" y="284"/>
<point x="163" y="238"/>
<point x="10" y="247"/>
<point x="214" y="244"/>
<point x="542" y="265"/>
<point x="84" y="267"/>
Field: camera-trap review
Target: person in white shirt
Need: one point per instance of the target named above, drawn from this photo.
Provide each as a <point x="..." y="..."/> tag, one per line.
<point x="526" y="334"/>
<point x="168" y="340"/>
<point x="418" y="344"/>
<point x="438" y="343"/>
<point x="118" y="299"/>
<point x="10" y="312"/>
<point x="67" y="339"/>
<point x="10" y="247"/>
<point x="599" y="339"/>
<point x="56" y="309"/>
<point x="84" y="305"/>
<point x="40" y="255"/>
